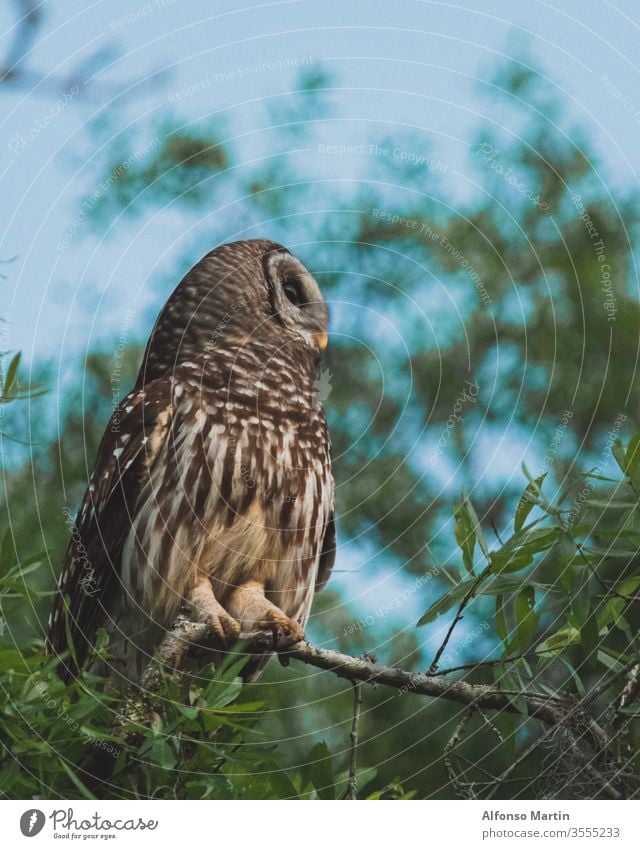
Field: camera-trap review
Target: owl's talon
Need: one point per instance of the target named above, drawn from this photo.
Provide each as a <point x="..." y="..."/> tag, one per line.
<point x="224" y="627"/>
<point x="286" y="632"/>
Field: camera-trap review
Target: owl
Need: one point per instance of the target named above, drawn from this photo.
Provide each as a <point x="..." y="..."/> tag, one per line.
<point x="212" y="489"/>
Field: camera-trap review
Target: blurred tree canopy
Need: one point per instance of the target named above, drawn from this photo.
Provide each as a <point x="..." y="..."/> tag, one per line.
<point x="466" y="333"/>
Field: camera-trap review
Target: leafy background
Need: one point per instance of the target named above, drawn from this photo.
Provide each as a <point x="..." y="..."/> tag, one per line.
<point x="474" y="329"/>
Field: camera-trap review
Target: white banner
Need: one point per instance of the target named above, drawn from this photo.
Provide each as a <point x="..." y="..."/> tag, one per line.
<point x="372" y="824"/>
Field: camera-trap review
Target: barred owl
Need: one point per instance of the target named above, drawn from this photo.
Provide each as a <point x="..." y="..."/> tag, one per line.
<point x="212" y="489"/>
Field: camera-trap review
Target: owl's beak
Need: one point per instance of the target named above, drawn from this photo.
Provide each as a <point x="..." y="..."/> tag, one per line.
<point x="321" y="339"/>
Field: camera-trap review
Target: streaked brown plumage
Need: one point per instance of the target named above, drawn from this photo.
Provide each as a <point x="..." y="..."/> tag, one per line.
<point x="212" y="487"/>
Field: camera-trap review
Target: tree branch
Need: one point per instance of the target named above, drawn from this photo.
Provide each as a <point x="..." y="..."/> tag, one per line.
<point x="186" y="637"/>
<point x="352" y="783"/>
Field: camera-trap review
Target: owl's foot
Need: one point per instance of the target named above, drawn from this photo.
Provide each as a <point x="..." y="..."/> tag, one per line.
<point x="225" y="627"/>
<point x="249" y="604"/>
<point x="286" y="632"/>
<point x="208" y="610"/>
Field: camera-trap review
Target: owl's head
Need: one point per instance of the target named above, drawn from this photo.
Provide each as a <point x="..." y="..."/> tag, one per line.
<point x="238" y="294"/>
<point x="294" y="297"/>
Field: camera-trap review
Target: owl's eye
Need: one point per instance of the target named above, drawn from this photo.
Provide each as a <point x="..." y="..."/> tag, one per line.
<point x="291" y="288"/>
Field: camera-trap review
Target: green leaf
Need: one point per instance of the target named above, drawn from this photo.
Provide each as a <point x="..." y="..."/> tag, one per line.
<point x="465" y="534"/>
<point x="11" y="375"/>
<point x="476" y="526"/>
<point x="321" y="771"/>
<point x="494" y="586"/>
<point x="519" y="551"/>
<point x="611" y="614"/>
<point x="628" y="587"/>
<point x="620" y="455"/>
<point x="8" y="556"/>
<point x="568" y="636"/>
<point x="161" y="754"/>
<point x="576" y="678"/>
<point x="581" y="602"/>
<point x="445" y="602"/>
<point x="84" y="790"/>
<point x="611" y="663"/>
<point x="283" y="786"/>
<point x="501" y="621"/>
<point x="526" y="616"/>
<point x="185" y="710"/>
<point x="245" y="707"/>
<point x="632" y="458"/>
<point x="527" y="502"/>
<point x="12" y="659"/>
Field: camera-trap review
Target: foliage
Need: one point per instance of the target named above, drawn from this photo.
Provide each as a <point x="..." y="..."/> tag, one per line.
<point x="464" y="336"/>
<point x="565" y="608"/>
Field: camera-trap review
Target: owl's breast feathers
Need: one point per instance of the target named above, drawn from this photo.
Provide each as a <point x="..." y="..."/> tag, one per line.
<point x="221" y="468"/>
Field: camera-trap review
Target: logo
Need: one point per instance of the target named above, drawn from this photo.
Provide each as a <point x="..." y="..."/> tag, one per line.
<point x="322" y="385"/>
<point x="32" y="822"/>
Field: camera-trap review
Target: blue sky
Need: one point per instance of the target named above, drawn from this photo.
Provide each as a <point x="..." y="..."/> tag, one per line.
<point x="395" y="65"/>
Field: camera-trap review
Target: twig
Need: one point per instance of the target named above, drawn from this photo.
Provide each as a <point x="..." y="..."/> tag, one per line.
<point x="352" y="782"/>
<point x="478" y="664"/>
<point x="492" y="726"/>
<point x="465" y="601"/>
<point x="494" y="528"/>
<point x="453" y="741"/>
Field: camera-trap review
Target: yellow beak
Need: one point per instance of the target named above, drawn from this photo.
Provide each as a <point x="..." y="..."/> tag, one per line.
<point x="322" y="339"/>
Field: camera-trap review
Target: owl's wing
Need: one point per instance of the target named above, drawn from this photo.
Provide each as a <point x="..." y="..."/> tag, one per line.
<point x="134" y="437"/>
<point x="328" y="553"/>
